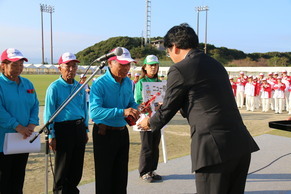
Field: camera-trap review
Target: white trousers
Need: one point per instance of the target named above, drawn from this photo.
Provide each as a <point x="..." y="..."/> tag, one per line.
<point x="279" y="105"/>
<point x="265" y="104"/>
<point x="240" y="98"/>
<point x="250" y="102"/>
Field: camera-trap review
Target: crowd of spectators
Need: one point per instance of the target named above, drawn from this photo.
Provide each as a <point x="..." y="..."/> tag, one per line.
<point x="263" y="92"/>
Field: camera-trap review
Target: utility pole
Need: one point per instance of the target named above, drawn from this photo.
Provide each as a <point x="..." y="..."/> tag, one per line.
<point x="198" y="9"/>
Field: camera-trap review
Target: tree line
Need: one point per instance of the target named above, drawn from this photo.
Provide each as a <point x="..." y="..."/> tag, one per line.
<point x="228" y="57"/>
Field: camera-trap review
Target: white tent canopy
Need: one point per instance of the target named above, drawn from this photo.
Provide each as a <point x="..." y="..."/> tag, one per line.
<point x="50" y="66"/>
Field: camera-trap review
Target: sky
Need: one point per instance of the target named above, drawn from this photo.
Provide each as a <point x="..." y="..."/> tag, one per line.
<point x="249" y="25"/>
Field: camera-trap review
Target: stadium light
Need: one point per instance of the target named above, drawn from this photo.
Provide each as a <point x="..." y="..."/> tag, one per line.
<point x="48" y="9"/>
<point x="198" y="9"/>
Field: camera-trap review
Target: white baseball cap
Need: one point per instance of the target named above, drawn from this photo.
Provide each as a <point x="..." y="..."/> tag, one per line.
<point x="12" y="54"/>
<point x="151" y="59"/>
<point x="67" y="57"/>
<point x="124" y="58"/>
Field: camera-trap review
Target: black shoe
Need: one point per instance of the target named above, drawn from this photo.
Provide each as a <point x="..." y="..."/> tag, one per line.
<point x="155" y="176"/>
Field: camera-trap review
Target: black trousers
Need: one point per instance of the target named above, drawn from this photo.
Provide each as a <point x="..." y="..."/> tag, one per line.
<point x="69" y="158"/>
<point x="226" y="178"/>
<point x="12" y="173"/>
<point x="149" y="153"/>
<point x="111" y="161"/>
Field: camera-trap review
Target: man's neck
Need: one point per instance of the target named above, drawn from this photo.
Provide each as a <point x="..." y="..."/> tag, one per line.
<point x="69" y="81"/>
<point x="183" y="53"/>
<point x="117" y="79"/>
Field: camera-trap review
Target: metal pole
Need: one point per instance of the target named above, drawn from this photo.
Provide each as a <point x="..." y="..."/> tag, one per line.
<point x="198" y="9"/>
<point x="42" y="41"/>
<point x="51" y="13"/>
<point x="205" y="48"/>
<point x="198" y="23"/>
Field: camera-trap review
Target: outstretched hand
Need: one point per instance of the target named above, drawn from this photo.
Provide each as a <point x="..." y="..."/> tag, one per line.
<point x="143" y="125"/>
<point x="131" y="111"/>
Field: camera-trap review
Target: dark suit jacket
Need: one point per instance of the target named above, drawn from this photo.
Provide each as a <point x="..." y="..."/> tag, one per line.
<point x="199" y="86"/>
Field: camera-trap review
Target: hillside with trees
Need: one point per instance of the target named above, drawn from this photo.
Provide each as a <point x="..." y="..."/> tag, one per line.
<point x="228" y="57"/>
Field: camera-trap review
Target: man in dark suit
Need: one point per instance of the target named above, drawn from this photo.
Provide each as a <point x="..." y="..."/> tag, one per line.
<point x="198" y="85"/>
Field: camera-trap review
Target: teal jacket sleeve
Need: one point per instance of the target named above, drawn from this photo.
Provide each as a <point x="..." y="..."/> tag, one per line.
<point x="49" y="109"/>
<point x="7" y="121"/>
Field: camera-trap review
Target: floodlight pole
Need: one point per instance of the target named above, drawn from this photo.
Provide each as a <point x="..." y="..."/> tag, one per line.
<point x="198" y="9"/>
<point x="48" y="9"/>
<point x="197" y="22"/>
<point x="205" y="48"/>
<point x="51" y="10"/>
<point x="42" y="41"/>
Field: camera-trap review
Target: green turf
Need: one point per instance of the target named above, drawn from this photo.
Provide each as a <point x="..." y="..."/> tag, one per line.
<point x="280" y="133"/>
<point x="41" y="83"/>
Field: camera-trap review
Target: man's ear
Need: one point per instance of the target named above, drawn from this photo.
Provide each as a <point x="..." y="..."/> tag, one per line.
<point x="176" y="50"/>
<point x="109" y="63"/>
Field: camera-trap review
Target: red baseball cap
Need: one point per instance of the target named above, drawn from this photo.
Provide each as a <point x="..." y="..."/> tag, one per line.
<point x="67" y="57"/>
<point x="124" y="58"/>
<point x="12" y="54"/>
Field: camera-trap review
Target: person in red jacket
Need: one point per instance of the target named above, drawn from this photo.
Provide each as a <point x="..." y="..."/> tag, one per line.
<point x="257" y="85"/>
<point x="240" y="90"/>
<point x="250" y="94"/>
<point x="271" y="80"/>
<point x="286" y="80"/>
<point x="233" y="85"/>
<point x="279" y="95"/>
<point x="266" y="90"/>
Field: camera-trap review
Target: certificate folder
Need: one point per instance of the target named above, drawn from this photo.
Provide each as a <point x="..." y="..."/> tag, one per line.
<point x="282" y="125"/>
<point x="15" y="144"/>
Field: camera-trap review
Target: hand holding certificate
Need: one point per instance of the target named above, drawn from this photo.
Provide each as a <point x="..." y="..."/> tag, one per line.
<point x="15" y="144"/>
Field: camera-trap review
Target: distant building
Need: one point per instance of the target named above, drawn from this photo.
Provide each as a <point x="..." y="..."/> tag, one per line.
<point x="159" y="44"/>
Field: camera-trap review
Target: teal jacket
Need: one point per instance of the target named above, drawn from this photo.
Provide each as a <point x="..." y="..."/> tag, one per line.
<point x="18" y="105"/>
<point x="56" y="94"/>
<point x="108" y="99"/>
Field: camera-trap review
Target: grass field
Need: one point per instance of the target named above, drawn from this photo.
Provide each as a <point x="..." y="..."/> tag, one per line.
<point x="41" y="83"/>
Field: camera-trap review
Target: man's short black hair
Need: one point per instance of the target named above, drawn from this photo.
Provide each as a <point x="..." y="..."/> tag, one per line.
<point x="183" y="36"/>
